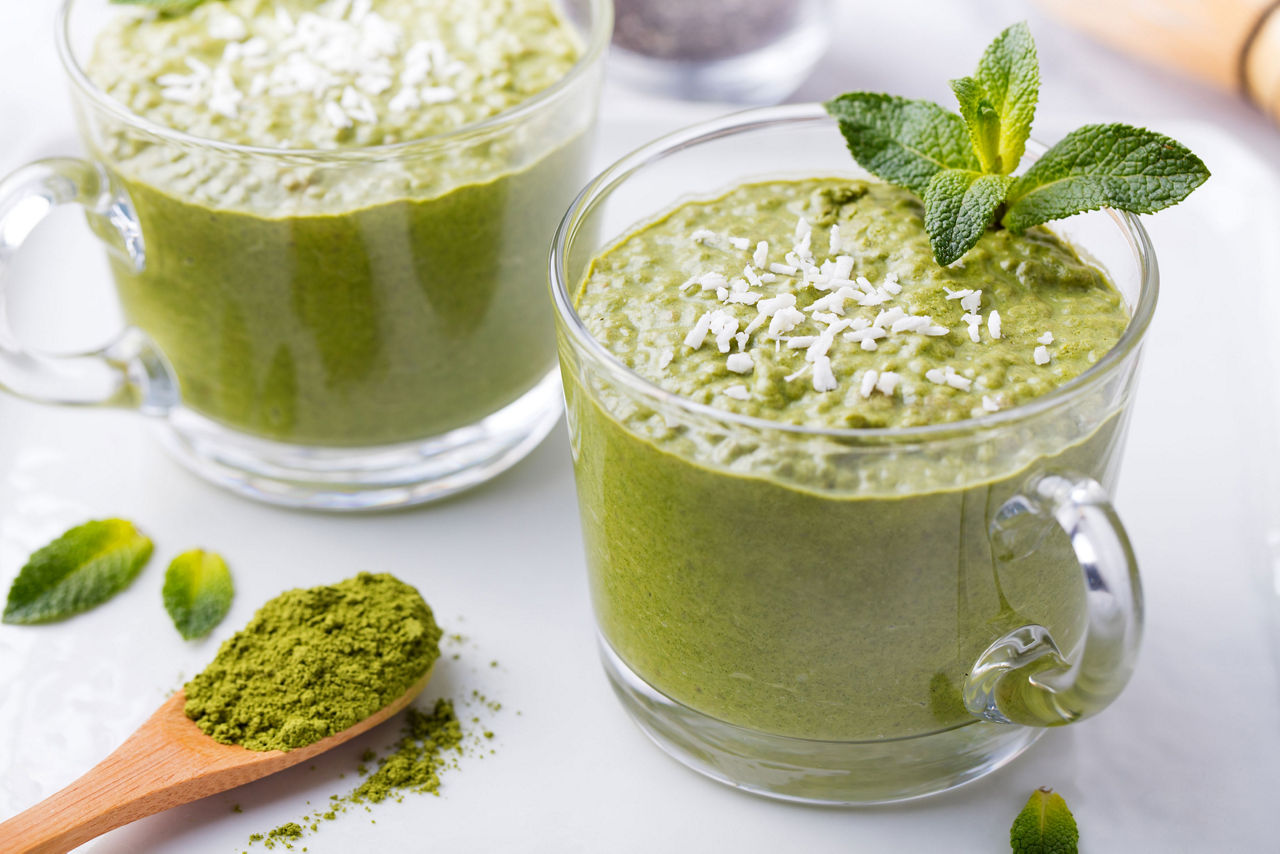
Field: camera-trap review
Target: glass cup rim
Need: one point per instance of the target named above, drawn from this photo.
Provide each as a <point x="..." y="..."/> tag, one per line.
<point x="799" y="115"/>
<point x="596" y="43"/>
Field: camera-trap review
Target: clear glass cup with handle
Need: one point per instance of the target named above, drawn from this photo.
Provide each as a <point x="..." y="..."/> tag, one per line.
<point x="338" y="329"/>
<point x="845" y="615"/>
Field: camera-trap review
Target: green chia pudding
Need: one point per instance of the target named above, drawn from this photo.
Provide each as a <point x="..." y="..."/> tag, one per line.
<point x="344" y="283"/>
<point x="764" y="579"/>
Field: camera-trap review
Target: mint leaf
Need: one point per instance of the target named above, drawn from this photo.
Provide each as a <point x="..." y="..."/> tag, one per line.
<point x="959" y="204"/>
<point x="960" y="164"/>
<point x="1009" y="74"/>
<point x="981" y="120"/>
<point x="197" y="592"/>
<point x="1115" y="165"/>
<point x="1045" y="826"/>
<point x="902" y="141"/>
<point x="84" y="567"/>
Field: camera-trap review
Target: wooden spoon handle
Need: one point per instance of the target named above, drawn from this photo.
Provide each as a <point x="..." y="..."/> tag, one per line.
<point x="168" y="761"/>
<point x="1262" y="64"/>
<point x="121" y="789"/>
<point x="1232" y="43"/>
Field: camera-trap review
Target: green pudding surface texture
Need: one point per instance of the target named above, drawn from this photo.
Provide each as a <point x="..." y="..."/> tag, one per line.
<point x="645" y="297"/>
<point x="343" y="297"/>
<point x="795" y="584"/>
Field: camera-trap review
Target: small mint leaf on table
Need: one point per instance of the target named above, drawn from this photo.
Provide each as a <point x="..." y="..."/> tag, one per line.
<point x="1096" y="166"/>
<point x="1009" y="76"/>
<point x="902" y="141"/>
<point x="197" y="592"/>
<point x="84" y="567"/>
<point x="1045" y="826"/>
<point x="959" y="204"/>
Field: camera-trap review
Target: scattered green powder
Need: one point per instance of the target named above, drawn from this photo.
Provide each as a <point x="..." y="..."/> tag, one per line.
<point x="313" y="662"/>
<point x="284" y="835"/>
<point x="417" y="758"/>
<point x="429" y="743"/>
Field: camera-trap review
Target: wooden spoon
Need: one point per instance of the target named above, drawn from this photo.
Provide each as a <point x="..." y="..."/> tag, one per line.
<point x="1232" y="43"/>
<point x="168" y="761"/>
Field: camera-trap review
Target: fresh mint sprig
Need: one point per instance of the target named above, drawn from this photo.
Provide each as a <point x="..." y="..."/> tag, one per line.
<point x="961" y="165"/>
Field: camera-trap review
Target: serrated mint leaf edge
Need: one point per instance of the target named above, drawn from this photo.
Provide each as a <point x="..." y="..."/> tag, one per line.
<point x="1043" y="192"/>
<point x="45" y="602"/>
<point x="959" y="206"/>
<point x="1009" y="72"/>
<point x="197" y="592"/>
<point x="889" y="137"/>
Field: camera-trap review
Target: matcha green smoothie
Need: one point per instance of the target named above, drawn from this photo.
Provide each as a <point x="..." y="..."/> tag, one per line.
<point x="350" y="253"/>
<point x="801" y="582"/>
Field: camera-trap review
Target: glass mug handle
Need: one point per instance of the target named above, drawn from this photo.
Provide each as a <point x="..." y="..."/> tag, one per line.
<point x="1023" y="677"/>
<point x="127" y="373"/>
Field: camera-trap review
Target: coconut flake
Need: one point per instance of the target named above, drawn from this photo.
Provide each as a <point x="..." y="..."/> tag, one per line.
<point x="887" y="383"/>
<point x="772" y="305"/>
<point x="761" y="256"/>
<point x="698" y="333"/>
<point x="994" y="323"/>
<point x="869" y="380"/>
<point x="823" y="377"/>
<point x="784" y="320"/>
<point x="740" y="363"/>
<point x="737" y="392"/>
<point x="1041" y="355"/>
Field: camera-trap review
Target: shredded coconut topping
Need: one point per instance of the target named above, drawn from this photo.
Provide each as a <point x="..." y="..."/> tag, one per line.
<point x="837" y="287"/>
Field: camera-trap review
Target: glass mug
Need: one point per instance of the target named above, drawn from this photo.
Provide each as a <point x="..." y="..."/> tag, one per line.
<point x="845" y="616"/>
<point x="335" y="329"/>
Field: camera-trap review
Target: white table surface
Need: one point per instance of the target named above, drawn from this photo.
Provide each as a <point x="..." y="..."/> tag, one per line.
<point x="1185" y="761"/>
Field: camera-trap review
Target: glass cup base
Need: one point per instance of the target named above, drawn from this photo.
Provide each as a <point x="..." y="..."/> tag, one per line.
<point x="371" y="478"/>
<point x="836" y="773"/>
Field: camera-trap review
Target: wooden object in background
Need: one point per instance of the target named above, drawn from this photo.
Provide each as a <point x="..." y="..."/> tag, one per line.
<point x="1232" y="43"/>
<point x="168" y="761"/>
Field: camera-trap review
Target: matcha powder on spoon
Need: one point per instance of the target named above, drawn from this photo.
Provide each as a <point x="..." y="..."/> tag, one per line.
<point x="314" y="662"/>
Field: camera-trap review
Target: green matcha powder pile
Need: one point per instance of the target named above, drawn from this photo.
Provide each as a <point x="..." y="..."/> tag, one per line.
<point x="312" y="663"/>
